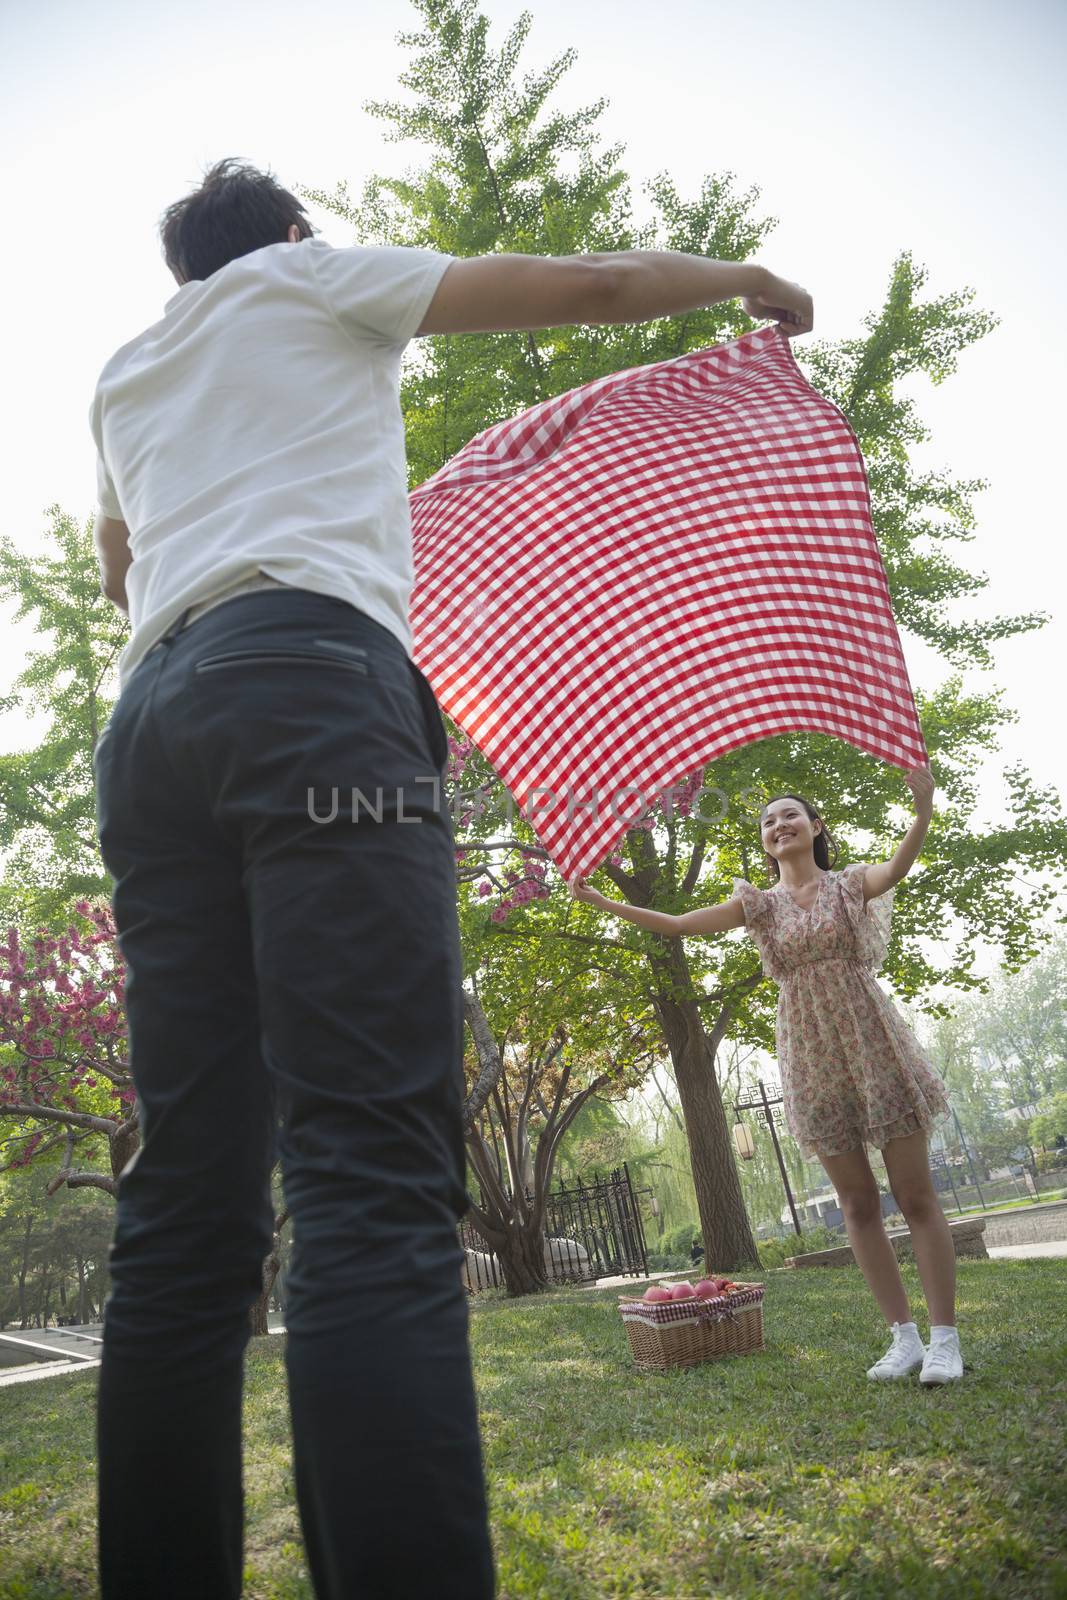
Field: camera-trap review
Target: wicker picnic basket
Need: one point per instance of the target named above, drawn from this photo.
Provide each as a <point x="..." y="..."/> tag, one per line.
<point x="682" y="1333"/>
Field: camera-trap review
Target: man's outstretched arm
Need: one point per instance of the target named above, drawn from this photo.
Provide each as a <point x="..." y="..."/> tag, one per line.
<point x="112" y="540"/>
<point x="489" y="294"/>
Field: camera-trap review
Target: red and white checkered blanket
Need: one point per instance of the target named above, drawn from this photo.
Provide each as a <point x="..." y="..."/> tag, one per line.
<point x="634" y="578"/>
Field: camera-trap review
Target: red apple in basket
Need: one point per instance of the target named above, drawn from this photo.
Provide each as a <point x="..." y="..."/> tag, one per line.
<point x="707" y="1289"/>
<point x="682" y="1291"/>
<point x="655" y="1294"/>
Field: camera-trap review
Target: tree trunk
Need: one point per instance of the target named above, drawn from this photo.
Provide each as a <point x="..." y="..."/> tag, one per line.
<point x="258" y="1315"/>
<point x="520" y="1249"/>
<point x="724" y="1224"/>
<point x="512" y="1226"/>
<point x="23" y="1269"/>
<point x="122" y="1147"/>
<point x="272" y="1265"/>
<point x="523" y="1263"/>
<point x="512" y="1220"/>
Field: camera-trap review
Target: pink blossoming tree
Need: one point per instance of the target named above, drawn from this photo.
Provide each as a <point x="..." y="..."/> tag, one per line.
<point x="65" y="1082"/>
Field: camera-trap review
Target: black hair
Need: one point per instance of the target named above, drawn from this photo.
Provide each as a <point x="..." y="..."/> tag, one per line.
<point x="237" y="209"/>
<point x="824" y="844"/>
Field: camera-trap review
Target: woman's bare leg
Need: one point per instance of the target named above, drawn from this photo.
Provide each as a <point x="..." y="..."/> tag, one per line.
<point x="861" y="1203"/>
<point x="908" y="1166"/>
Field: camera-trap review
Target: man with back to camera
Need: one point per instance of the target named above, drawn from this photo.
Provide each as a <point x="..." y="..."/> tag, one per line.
<point x="285" y="974"/>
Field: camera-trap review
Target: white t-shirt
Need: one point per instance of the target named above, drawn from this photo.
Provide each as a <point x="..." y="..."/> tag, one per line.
<point x="257" y="428"/>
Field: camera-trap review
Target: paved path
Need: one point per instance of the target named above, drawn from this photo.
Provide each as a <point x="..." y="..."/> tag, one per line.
<point x="73" y="1342"/>
<point x="639" y="1285"/>
<point x="1027" y="1252"/>
<point x="77" y="1350"/>
<point x="43" y="1369"/>
<point x="47" y="1352"/>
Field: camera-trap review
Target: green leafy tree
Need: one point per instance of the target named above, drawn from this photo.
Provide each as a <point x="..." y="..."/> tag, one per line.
<point x="1020" y="1027"/>
<point x="508" y="172"/>
<point x="978" y="1096"/>
<point x="65" y="1080"/>
<point x="505" y="169"/>
<point x="549" y="1036"/>
<point x="53" y="1250"/>
<point x="760" y="1176"/>
<point x="21" y="1202"/>
<point x="1004" y="1051"/>
<point x="47" y="810"/>
<point x="600" y="1139"/>
<point x="1049" y="1127"/>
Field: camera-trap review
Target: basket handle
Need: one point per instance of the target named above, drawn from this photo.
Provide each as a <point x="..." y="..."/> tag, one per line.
<point x="709" y="1311"/>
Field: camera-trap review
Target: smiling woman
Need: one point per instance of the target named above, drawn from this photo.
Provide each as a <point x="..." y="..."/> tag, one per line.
<point x="852" y="1071"/>
<point x="791" y="827"/>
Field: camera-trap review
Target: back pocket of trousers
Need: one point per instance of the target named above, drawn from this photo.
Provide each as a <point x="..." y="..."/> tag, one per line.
<point x="281" y="658"/>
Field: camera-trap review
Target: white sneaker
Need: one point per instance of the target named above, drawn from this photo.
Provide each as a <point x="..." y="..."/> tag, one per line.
<point x="905" y="1354"/>
<point x="943" y="1363"/>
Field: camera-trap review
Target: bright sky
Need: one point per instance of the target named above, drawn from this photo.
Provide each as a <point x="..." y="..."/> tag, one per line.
<point x="893" y="124"/>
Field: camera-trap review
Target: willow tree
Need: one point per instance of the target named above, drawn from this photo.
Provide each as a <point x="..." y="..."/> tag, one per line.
<point x="506" y="168"/>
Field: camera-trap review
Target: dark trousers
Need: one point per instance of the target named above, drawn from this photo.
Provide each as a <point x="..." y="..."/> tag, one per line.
<point x="293" y="990"/>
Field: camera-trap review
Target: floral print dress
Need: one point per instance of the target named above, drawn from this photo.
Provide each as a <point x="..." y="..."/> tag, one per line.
<point x="852" y="1070"/>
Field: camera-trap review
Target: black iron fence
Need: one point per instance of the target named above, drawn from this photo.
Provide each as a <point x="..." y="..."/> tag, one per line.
<point x="593" y="1229"/>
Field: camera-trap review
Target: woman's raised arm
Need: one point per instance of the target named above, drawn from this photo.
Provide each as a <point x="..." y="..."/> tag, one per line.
<point x="883" y="875"/>
<point x="708" y="919"/>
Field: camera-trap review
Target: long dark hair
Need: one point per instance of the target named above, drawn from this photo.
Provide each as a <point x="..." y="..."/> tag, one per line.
<point x="237" y="209"/>
<point x="824" y="844"/>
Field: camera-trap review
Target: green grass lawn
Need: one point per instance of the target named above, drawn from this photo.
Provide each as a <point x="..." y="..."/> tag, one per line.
<point x="1023" y="1202"/>
<point x="784" y="1474"/>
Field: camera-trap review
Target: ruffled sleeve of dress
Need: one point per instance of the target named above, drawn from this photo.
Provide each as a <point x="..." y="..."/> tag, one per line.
<point x="870" y="920"/>
<point x="759" y="907"/>
<point x="755" y="903"/>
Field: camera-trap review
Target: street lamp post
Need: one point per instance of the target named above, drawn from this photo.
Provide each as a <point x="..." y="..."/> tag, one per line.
<point x="764" y="1105"/>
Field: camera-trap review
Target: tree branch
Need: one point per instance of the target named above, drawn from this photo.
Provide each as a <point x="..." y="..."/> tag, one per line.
<point x="507" y="1135"/>
<point x="732" y="993"/>
<point x="42" y="1150"/>
<point x="63" y="1174"/>
<point x="670" y="863"/>
<point x="473" y="845"/>
<point x="557" y="1100"/>
<point x="93" y="1180"/>
<point x="484" y="1224"/>
<point x="562" y="933"/>
<point x="69" y="1119"/>
<point x="490" y="1060"/>
<point x="671" y="1109"/>
<point x="483" y="1168"/>
<point x="696" y="861"/>
<point x="565" y="1122"/>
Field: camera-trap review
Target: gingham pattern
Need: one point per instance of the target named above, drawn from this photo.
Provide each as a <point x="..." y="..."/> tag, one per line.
<point x="656" y="1313"/>
<point x="634" y="578"/>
